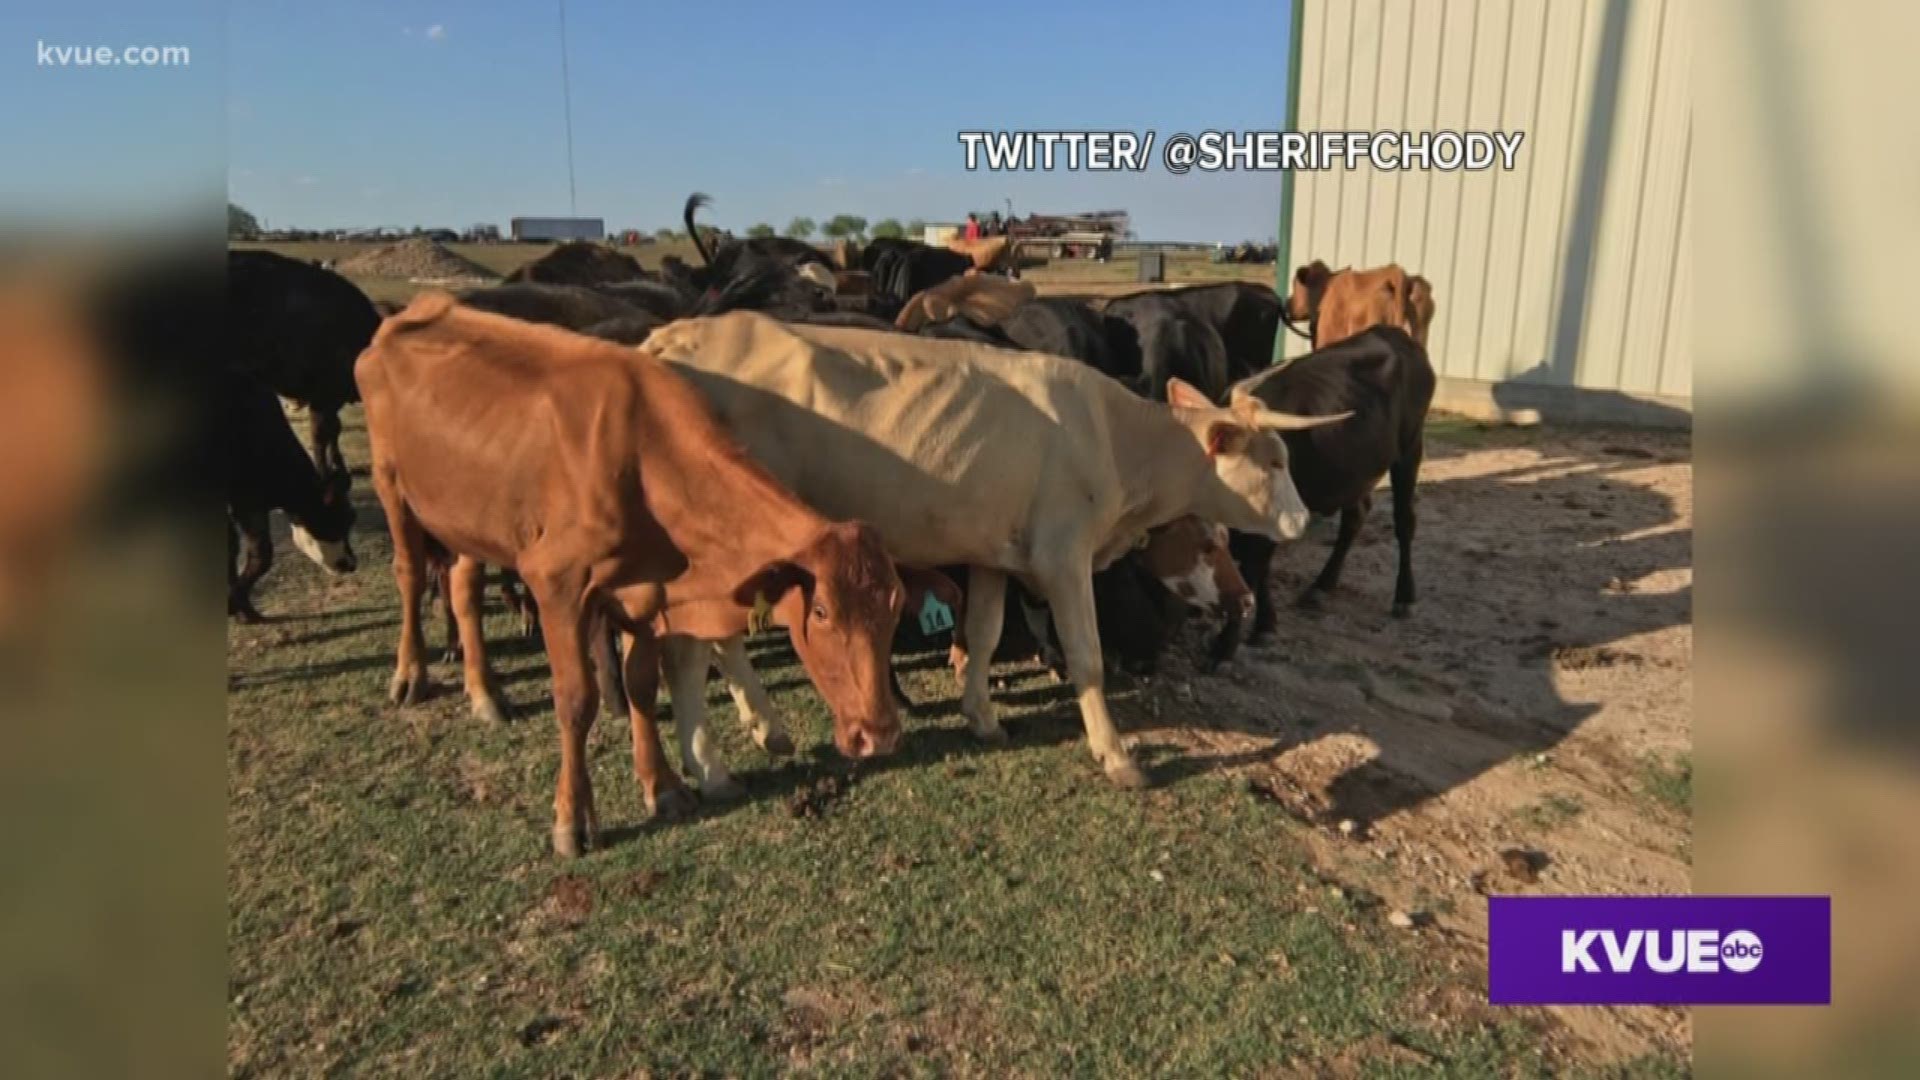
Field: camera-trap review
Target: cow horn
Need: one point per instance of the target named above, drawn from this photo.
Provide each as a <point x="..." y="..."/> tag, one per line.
<point x="1279" y="421"/>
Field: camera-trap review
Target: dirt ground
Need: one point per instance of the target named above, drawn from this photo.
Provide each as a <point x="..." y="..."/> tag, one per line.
<point x="1527" y="730"/>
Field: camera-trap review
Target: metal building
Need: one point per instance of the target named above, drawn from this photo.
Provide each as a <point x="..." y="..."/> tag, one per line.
<point x="1564" y="285"/>
<point x="558" y="228"/>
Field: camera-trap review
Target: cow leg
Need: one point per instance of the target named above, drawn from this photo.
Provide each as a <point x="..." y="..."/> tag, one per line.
<point x="256" y="544"/>
<point x="1254" y="554"/>
<point x="665" y="796"/>
<point x="409" y="685"/>
<point x="606" y="668"/>
<point x="520" y="602"/>
<point x="686" y="662"/>
<point x="1070" y="594"/>
<point x="1405" y="474"/>
<point x="1351" y="518"/>
<point x="323" y="427"/>
<point x="439" y="590"/>
<point x="757" y="711"/>
<point x="465" y="589"/>
<point x="564" y="623"/>
<point x="986" y="607"/>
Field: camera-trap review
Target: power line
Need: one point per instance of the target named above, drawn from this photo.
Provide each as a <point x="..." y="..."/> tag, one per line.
<point x="566" y="96"/>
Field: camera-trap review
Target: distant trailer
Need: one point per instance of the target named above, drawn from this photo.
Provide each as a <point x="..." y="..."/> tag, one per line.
<point x="558" y="228"/>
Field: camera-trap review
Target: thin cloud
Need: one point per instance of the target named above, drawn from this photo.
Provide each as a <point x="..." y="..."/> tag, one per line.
<point x="832" y="181"/>
<point x="306" y="181"/>
<point x="436" y="32"/>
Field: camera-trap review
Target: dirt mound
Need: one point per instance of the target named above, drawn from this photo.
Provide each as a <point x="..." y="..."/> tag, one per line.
<point x="578" y="262"/>
<point x="416" y="259"/>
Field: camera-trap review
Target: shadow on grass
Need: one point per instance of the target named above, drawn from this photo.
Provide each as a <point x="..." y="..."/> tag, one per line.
<point x="797" y="775"/>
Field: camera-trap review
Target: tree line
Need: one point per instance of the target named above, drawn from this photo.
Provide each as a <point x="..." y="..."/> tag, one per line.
<point x="242" y="225"/>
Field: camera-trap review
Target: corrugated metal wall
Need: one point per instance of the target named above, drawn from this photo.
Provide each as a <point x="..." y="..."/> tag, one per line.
<point x="1572" y="270"/>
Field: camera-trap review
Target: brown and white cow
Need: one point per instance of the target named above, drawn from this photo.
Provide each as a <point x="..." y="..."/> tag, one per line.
<point x="1009" y="463"/>
<point x="1337" y="304"/>
<point x="599" y="475"/>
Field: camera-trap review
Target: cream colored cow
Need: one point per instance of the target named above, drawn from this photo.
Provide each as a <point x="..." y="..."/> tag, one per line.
<point x="1013" y="464"/>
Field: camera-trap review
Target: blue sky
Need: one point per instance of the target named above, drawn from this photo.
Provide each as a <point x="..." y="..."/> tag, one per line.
<point x="444" y="113"/>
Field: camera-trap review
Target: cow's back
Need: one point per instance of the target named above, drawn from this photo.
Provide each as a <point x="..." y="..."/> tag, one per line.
<point x="495" y="428"/>
<point x="1384" y="378"/>
<point x="946" y="447"/>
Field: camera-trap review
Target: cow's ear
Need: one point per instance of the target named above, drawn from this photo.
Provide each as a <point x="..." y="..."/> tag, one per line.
<point x="1184" y="395"/>
<point x="1226" y="437"/>
<point x="1420" y="307"/>
<point x="771" y="582"/>
<point x="1309" y="283"/>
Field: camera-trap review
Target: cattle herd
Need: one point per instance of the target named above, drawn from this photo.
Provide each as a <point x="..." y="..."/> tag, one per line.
<point x="862" y="450"/>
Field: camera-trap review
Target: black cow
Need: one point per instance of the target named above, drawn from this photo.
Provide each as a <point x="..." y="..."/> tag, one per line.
<point x="961" y="328"/>
<point x="1155" y="335"/>
<point x="574" y="307"/>
<point x="267" y="470"/>
<point x="853" y="319"/>
<point x="1245" y="315"/>
<point x="580" y="262"/>
<point x="1384" y="378"/>
<point x="298" y="329"/>
<point x="793" y="253"/>
<point x="903" y="268"/>
<point x="626" y="329"/>
<point x="1065" y="327"/>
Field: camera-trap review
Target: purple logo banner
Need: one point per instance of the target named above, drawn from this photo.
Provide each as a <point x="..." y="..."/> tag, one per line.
<point x="1659" y="950"/>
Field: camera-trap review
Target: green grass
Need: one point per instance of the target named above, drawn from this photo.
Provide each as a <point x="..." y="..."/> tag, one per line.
<point x="394" y="909"/>
<point x="1669" y="782"/>
<point x="1552" y="811"/>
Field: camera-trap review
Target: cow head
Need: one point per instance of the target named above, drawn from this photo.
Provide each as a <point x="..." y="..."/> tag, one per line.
<point x="1309" y="285"/>
<point x="1255" y="492"/>
<point x="840" y="599"/>
<point x="1190" y="557"/>
<point x="325" y="534"/>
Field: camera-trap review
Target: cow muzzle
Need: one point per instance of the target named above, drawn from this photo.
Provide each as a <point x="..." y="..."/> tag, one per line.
<point x="862" y="741"/>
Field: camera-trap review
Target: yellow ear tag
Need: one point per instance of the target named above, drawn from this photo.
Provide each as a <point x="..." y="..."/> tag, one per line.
<point x="761" y="616"/>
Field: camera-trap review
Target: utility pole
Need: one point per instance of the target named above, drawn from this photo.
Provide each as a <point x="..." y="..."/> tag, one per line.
<point x="566" y="96"/>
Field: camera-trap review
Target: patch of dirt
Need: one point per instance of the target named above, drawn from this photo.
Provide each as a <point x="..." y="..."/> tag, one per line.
<point x="572" y="898"/>
<point x="814" y="799"/>
<point x="642" y="884"/>
<point x="418" y="260"/>
<point x="541" y="1030"/>
<point x="1369" y="1056"/>
<point x="1548" y="657"/>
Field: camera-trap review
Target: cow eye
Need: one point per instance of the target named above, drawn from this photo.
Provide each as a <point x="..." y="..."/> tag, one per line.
<point x="820" y="612"/>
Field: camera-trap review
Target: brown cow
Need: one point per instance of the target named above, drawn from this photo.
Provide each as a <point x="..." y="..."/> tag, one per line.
<point x="982" y="298"/>
<point x="599" y="476"/>
<point x="1337" y="304"/>
<point x="988" y="253"/>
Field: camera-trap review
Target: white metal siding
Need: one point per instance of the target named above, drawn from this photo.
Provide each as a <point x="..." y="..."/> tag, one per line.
<point x="1571" y="270"/>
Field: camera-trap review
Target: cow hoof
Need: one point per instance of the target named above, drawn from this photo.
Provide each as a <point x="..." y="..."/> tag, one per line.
<point x="778" y="743"/>
<point x="728" y="790"/>
<point x="1403" y="609"/>
<point x="1127" y="776"/>
<point x="1313" y="599"/>
<point x="992" y="736"/>
<point x="247" y="616"/>
<point x="488" y="710"/>
<point x="408" y="688"/>
<point x="673" y="804"/>
<point x="569" y="842"/>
